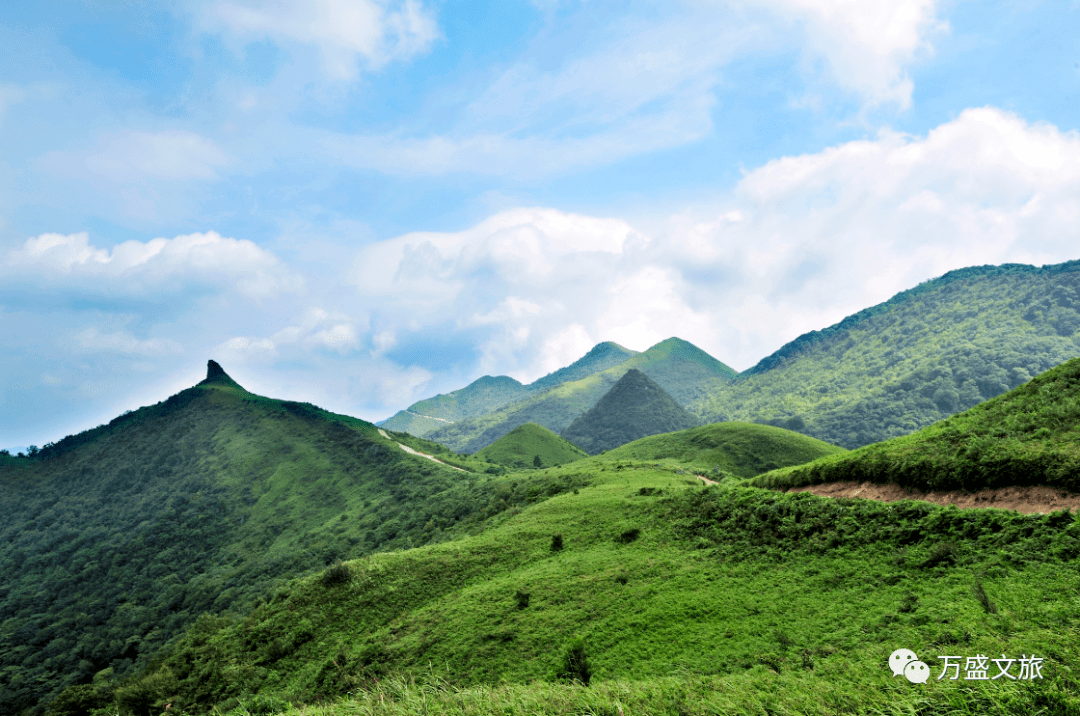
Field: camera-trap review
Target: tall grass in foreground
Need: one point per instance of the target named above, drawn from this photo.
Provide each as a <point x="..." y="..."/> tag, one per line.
<point x="759" y="692"/>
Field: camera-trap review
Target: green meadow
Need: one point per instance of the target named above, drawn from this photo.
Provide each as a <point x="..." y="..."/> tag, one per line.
<point x="680" y="599"/>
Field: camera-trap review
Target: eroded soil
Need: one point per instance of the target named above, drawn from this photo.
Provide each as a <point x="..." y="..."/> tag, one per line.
<point x="1028" y="500"/>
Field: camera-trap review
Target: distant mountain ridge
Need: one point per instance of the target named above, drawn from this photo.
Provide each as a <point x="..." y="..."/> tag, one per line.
<point x="634" y="408"/>
<point x="490" y="393"/>
<point x="682" y="369"/>
<point x="926" y="353"/>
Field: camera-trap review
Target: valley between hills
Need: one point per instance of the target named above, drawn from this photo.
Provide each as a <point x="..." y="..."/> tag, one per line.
<point x="632" y="534"/>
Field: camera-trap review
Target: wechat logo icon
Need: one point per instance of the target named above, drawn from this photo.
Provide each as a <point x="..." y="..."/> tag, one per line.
<point x="904" y="661"/>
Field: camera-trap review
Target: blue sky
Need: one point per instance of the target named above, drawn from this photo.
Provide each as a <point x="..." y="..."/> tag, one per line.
<point x="364" y="203"/>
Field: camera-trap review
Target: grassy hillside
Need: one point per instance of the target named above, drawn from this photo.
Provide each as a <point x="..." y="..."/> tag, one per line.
<point x="1029" y="436"/>
<point x="680" y="368"/>
<point x="634" y="408"/>
<point x="521" y="446"/>
<point x="114" y="540"/>
<point x="737" y="449"/>
<point x="665" y="598"/>
<point x="925" y="354"/>
<point x="487" y="394"/>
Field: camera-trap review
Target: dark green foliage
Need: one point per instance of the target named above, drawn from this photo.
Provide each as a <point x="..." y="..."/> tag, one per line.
<point x="1025" y="437"/>
<point x="983" y="598"/>
<point x="927" y="353"/>
<point x="908" y="604"/>
<point x="575" y="664"/>
<point x="683" y="370"/>
<point x="522" y="599"/>
<point x="531" y="444"/>
<point x="634" y="408"/>
<point x="81" y="700"/>
<point x="628" y="536"/>
<point x="744" y="523"/>
<point x="336" y="575"/>
<point x="556" y="543"/>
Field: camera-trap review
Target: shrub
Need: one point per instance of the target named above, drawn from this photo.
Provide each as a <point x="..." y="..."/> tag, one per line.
<point x="908" y="604"/>
<point x="337" y="574"/>
<point x="940" y="553"/>
<point x="575" y="665"/>
<point x="556" y="542"/>
<point x="522" y="599"/>
<point x="628" y="536"/>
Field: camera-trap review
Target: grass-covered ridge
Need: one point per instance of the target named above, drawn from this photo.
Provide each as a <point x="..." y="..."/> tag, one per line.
<point x="927" y="353"/>
<point x="114" y="540"/>
<point x="682" y="369"/>
<point x="737" y="449"/>
<point x="686" y="600"/>
<point x="531" y="445"/>
<point x="1028" y="436"/>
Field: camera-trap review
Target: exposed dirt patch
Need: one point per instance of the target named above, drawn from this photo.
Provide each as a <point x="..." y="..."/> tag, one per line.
<point x="1029" y="500"/>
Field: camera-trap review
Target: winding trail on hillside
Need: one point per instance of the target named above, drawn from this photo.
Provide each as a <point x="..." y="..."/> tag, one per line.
<point x="706" y="480"/>
<point x="1038" y="499"/>
<point x="408" y="449"/>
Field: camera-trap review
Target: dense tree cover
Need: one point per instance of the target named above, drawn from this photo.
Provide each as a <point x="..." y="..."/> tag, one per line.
<point x="737" y="449"/>
<point x="925" y="354"/>
<point x="531" y="444"/>
<point x="490" y="393"/>
<point x="114" y="540"/>
<point x="1029" y="436"/>
<point x="635" y="407"/>
<point x="683" y="370"/>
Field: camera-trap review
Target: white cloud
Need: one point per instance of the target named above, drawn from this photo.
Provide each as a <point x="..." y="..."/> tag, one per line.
<point x="343" y="30"/>
<point x="171" y="154"/>
<point x="91" y="340"/>
<point x="152" y="266"/>
<point x="867" y="45"/>
<point x="800" y="243"/>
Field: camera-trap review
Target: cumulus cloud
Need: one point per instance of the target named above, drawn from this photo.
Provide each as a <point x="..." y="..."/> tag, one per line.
<point x="866" y="45"/>
<point x="800" y="243"/>
<point x="136" y="267"/>
<point x="344" y="31"/>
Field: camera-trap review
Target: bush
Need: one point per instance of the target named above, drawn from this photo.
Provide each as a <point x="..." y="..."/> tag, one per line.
<point x="556" y="542"/>
<point x="337" y="574"/>
<point x="575" y="665"/>
<point x="522" y="599"/>
<point x="940" y="553"/>
<point x="628" y="536"/>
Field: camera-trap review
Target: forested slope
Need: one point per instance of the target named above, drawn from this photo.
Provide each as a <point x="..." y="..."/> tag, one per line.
<point x="113" y="540"/>
<point x="1028" y="436"/>
<point x="937" y="349"/>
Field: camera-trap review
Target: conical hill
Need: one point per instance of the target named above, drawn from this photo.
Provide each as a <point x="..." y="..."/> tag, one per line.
<point x="531" y="445"/>
<point x="1027" y="436"/>
<point x="635" y="407"/>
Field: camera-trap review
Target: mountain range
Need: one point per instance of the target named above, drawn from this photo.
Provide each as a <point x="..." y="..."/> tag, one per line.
<point x="927" y="353"/>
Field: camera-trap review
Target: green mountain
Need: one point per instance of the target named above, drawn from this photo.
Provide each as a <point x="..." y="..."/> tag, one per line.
<point x="635" y="407"/>
<point x="643" y="592"/>
<point x="114" y="540"/>
<point x="720" y="449"/>
<point x="521" y="446"/>
<point x="927" y="353"/>
<point x="1028" y="436"/>
<point x="487" y="394"/>
<point x="680" y="368"/>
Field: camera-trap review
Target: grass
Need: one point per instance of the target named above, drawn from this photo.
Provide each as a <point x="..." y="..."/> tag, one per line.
<point x="521" y="446"/>
<point x="1028" y="436"/>
<point x="730" y="600"/>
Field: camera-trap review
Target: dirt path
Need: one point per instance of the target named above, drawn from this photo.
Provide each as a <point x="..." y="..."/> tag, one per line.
<point x="1028" y="500"/>
<point x="408" y="449"/>
<point x="706" y="480"/>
